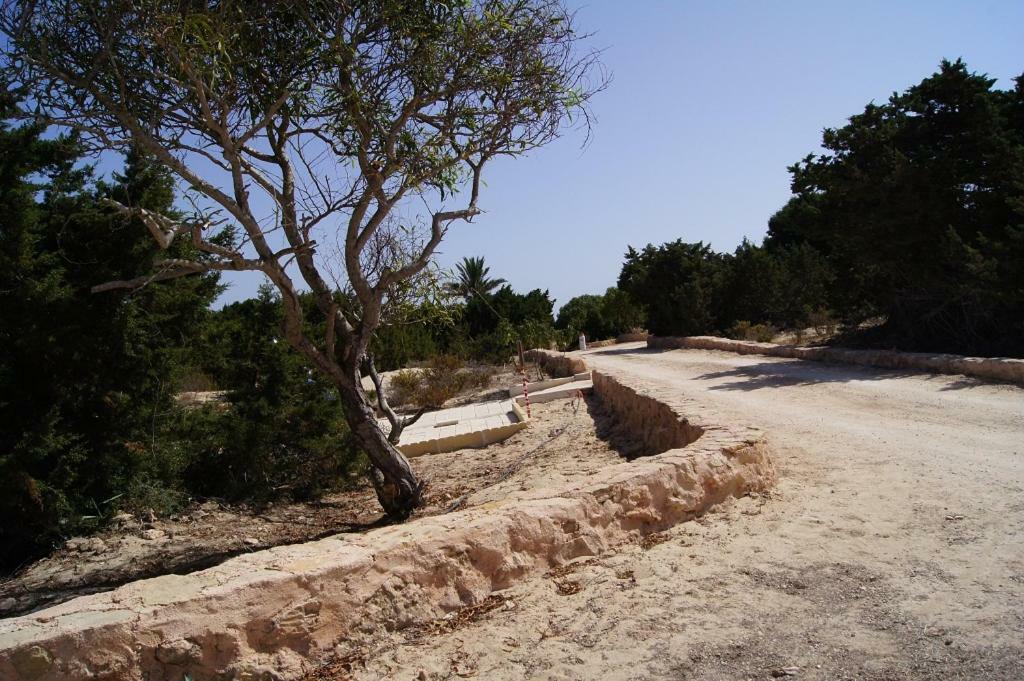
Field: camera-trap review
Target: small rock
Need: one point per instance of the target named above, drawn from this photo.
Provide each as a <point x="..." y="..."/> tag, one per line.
<point x="8" y="604"/>
<point x="153" y="534"/>
<point x="123" y="518"/>
<point x="785" y="671"/>
<point x="251" y="541"/>
<point x="180" y="652"/>
<point x="32" y="663"/>
<point x="76" y="544"/>
<point x="96" y="545"/>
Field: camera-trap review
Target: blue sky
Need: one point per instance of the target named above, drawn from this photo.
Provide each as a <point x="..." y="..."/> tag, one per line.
<point x="709" y="103"/>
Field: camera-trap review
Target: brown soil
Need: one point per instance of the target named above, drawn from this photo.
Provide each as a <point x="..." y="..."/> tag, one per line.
<point x="561" y="442"/>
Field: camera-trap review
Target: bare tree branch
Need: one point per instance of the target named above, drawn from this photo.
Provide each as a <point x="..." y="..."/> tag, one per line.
<point x="342" y="115"/>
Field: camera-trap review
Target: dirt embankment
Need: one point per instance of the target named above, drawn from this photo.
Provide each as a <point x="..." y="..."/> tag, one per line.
<point x="271" y="611"/>
<point x="209" y="533"/>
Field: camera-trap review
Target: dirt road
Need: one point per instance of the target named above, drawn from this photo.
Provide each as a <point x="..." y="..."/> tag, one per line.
<point x="892" y="548"/>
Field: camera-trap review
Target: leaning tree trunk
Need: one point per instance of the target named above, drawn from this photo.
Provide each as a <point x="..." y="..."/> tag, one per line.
<point x="398" y="489"/>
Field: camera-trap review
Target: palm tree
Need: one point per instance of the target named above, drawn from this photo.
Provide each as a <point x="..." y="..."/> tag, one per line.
<point x="473" y="279"/>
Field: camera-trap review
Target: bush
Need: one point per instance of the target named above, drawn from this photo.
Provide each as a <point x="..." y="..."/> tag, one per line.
<point x="599" y="316"/>
<point x="444" y="377"/>
<point x="744" y="330"/>
<point x="259" y="450"/>
<point x="282" y="433"/>
<point x="441" y="380"/>
<point x="404" y="386"/>
<point x="680" y="286"/>
<point x="822" y="321"/>
<point x="479" y="378"/>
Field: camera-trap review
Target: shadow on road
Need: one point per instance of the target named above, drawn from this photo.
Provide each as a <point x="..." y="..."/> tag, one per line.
<point x="627" y="351"/>
<point x="781" y="374"/>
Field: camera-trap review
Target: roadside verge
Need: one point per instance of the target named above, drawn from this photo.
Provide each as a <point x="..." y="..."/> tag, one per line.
<point x="268" y="614"/>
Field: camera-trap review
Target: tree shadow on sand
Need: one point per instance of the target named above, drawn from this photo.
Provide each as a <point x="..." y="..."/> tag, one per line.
<point x="796" y="372"/>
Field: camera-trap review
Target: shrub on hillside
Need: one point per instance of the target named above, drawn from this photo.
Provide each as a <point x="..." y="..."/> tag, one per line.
<point x="744" y="330"/>
<point x="444" y="377"/>
<point x="403" y="387"/>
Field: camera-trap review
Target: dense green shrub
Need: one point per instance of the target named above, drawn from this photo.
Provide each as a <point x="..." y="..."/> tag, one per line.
<point x="680" y="286"/>
<point x="918" y="207"/>
<point x="281" y="431"/>
<point x="599" y="316"/>
<point x="87" y="380"/>
<point x="89" y="424"/>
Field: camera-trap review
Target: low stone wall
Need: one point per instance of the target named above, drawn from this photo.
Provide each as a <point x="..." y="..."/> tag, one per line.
<point x="556" y="363"/>
<point x="265" y="615"/>
<point x="994" y="368"/>
<point x="517" y="389"/>
<point x="654" y="423"/>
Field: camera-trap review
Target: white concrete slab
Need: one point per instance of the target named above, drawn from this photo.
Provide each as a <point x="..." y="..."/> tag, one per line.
<point x="468" y="418"/>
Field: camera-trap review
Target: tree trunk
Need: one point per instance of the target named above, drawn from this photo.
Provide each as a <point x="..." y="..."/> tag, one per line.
<point x="398" y="489"/>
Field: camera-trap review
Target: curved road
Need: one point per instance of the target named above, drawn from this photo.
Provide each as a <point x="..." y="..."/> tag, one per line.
<point x="892" y="547"/>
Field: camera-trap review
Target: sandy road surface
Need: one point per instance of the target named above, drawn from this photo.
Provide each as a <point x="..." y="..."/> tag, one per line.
<point x="892" y="548"/>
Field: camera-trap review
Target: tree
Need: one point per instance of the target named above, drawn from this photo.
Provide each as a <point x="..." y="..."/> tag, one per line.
<point x="473" y="280"/>
<point x="918" y="206"/>
<point x="583" y="314"/>
<point x="600" y="316"/>
<point x="340" y="117"/>
<point x="680" y="285"/>
<point x="280" y="431"/>
<point x="86" y="380"/>
<point x="774" y="284"/>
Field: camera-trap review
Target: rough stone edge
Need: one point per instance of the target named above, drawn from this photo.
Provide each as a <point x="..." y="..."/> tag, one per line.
<point x="265" y="614"/>
<point x="992" y="368"/>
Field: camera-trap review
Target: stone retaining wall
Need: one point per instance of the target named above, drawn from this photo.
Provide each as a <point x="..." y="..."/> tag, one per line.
<point x="994" y="368"/>
<point x="265" y="615"/>
<point x="654" y="423"/>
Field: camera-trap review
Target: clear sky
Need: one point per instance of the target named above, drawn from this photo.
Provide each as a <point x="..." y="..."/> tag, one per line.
<point x="710" y="102"/>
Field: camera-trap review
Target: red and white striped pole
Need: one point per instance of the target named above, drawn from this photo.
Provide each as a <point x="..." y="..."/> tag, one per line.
<point x="526" y="396"/>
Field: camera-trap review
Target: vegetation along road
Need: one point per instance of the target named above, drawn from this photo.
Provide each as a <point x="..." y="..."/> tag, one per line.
<point x="891" y="548"/>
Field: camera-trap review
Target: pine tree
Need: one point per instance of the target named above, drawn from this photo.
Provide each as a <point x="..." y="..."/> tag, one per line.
<point x="87" y="379"/>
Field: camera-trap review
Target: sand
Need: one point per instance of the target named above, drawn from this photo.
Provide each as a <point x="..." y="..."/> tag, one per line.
<point x="892" y="548"/>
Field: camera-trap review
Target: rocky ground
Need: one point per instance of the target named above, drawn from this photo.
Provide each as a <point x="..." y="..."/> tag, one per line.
<point x="892" y="548"/>
<point x="561" y="442"/>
